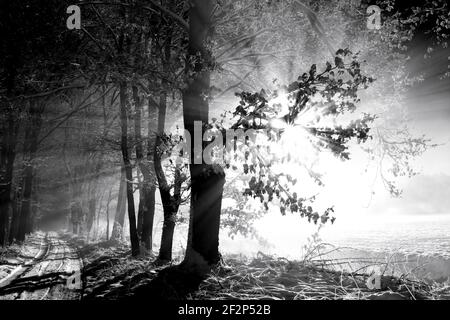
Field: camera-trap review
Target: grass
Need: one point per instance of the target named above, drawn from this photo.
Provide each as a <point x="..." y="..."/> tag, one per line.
<point x="272" y="278"/>
<point x="110" y="273"/>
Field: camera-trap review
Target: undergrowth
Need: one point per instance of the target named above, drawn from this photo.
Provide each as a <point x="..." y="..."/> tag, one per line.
<point x="110" y="273"/>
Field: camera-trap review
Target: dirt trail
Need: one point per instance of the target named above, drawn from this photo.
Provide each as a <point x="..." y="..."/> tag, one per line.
<point x="49" y="269"/>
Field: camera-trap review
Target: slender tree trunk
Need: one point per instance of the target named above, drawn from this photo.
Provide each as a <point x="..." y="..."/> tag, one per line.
<point x="34" y="205"/>
<point x="92" y="205"/>
<point x="107" y="223"/>
<point x="97" y="224"/>
<point x="119" y="219"/>
<point x="149" y="186"/>
<point x="139" y="157"/>
<point x="165" y="251"/>
<point x="147" y="189"/>
<point x="170" y="203"/>
<point x="76" y="212"/>
<point x="134" y="239"/>
<point x="206" y="181"/>
<point x="14" y="228"/>
<point x="26" y="203"/>
<point x="107" y="214"/>
<point x="147" y="226"/>
<point x="170" y="209"/>
<point x="4" y="213"/>
<point x="140" y="216"/>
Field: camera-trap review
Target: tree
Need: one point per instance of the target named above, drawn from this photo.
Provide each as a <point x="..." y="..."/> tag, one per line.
<point x="31" y="137"/>
<point x="120" y="209"/>
<point x="206" y="181"/>
<point x="128" y="169"/>
<point x="24" y="49"/>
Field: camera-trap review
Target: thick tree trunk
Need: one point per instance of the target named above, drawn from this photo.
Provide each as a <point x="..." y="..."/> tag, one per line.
<point x="8" y="130"/>
<point x="134" y="239"/>
<point x="119" y="218"/>
<point x="206" y="181"/>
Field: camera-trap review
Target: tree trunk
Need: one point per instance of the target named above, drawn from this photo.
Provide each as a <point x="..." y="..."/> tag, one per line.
<point x="147" y="190"/>
<point x="92" y="205"/>
<point x="148" y="217"/>
<point x="26" y="203"/>
<point x="8" y="156"/>
<point x="206" y="180"/>
<point x="134" y="239"/>
<point x="34" y="205"/>
<point x="120" y="209"/>
<point x="97" y="224"/>
<point x="107" y="223"/>
<point x="107" y="214"/>
<point x="170" y="203"/>
<point x="140" y="216"/>
<point x="165" y="251"/>
<point x="8" y="131"/>
<point x="139" y="156"/>
<point x="170" y="208"/>
<point x="14" y="228"/>
<point x="76" y="212"/>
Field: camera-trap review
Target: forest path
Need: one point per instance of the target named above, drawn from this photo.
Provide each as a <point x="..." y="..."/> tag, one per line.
<point x="47" y="269"/>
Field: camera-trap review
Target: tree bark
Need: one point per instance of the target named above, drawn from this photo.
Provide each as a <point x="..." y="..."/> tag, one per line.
<point x="119" y="218"/>
<point x="139" y="157"/>
<point x="134" y="239"/>
<point x="76" y="212"/>
<point x="170" y="203"/>
<point x="140" y="215"/>
<point x="206" y="180"/>
<point x="8" y="156"/>
<point x="14" y="227"/>
<point x="107" y="214"/>
<point x="26" y="203"/>
<point x="147" y="225"/>
<point x="147" y="189"/>
<point x="92" y="206"/>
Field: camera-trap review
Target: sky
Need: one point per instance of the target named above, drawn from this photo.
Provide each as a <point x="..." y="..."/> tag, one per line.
<point x="428" y="193"/>
<point x="425" y="197"/>
<point x="429" y="111"/>
<point x="359" y="203"/>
